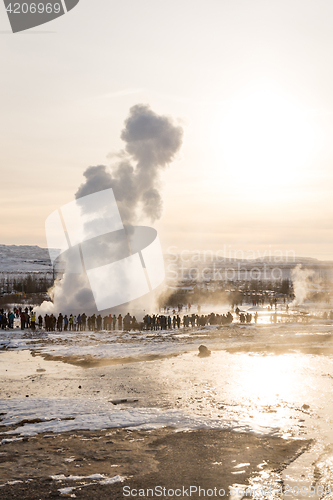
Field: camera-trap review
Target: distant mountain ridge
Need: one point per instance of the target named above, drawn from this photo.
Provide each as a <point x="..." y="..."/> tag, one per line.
<point x="32" y="258"/>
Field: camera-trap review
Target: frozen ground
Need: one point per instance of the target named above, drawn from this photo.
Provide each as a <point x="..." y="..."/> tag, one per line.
<point x="265" y="379"/>
<point x="17" y="259"/>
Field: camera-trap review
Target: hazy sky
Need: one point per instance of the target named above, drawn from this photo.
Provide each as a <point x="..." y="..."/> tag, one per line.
<point x="249" y="80"/>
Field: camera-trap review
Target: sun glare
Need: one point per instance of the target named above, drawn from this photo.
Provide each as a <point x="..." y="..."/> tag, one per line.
<point x="265" y="140"/>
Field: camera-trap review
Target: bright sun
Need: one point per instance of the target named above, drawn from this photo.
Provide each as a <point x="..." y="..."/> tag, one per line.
<point x="264" y="137"/>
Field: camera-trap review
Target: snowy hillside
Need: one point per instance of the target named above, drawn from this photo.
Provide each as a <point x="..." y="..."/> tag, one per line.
<point x="24" y="259"/>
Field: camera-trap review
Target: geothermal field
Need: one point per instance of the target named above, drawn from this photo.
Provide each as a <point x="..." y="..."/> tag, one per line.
<point x="208" y="406"/>
<point x="166" y="264"/>
<point x="115" y="414"/>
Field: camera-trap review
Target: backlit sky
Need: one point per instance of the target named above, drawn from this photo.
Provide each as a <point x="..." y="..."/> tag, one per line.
<point x="251" y="82"/>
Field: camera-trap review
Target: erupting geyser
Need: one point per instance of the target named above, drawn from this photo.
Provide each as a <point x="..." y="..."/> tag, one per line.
<point x="151" y="143"/>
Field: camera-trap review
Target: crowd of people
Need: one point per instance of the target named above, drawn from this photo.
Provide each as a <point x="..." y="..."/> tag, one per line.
<point x="163" y="322"/>
<point x="7" y="319"/>
<point x="171" y="319"/>
<point x="60" y="322"/>
<point x="49" y="322"/>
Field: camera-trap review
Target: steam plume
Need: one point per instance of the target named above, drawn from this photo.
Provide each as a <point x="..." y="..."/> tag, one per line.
<point x="151" y="143"/>
<point x="301" y="284"/>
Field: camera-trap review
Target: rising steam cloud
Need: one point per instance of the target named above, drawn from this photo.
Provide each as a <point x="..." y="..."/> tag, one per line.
<point x="301" y="284"/>
<point x="151" y="142"/>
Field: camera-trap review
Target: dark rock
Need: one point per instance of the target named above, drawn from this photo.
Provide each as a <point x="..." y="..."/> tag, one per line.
<point x="203" y="351"/>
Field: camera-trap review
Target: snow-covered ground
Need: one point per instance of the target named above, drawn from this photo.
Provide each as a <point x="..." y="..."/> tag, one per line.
<point x="267" y="379"/>
<point x="249" y="365"/>
<point x="97" y="414"/>
<point x="24" y="259"/>
<point x="114" y="344"/>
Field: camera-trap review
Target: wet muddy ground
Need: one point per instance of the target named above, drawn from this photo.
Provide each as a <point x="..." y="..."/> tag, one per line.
<point x="142" y="459"/>
<point x="257" y="412"/>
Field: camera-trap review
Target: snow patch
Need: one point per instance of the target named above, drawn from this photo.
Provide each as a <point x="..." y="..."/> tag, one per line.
<point x="62" y="477"/>
<point x="105" y="480"/>
<point x="100" y="414"/>
<point x="10" y="440"/>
